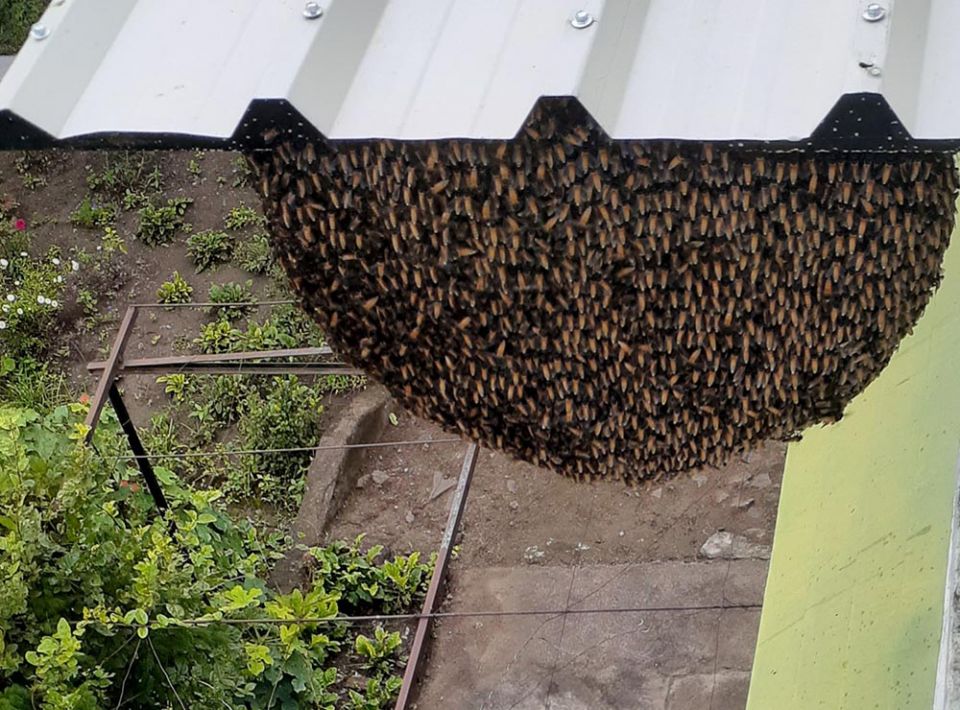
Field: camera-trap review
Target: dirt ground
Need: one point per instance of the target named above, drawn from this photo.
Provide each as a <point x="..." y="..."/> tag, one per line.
<point x="532" y="539"/>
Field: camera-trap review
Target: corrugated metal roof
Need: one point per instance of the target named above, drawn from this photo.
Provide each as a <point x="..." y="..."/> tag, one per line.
<point x="185" y="72"/>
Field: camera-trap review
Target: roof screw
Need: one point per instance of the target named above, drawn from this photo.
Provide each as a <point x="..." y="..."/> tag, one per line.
<point x="39" y="31"/>
<point x="312" y="10"/>
<point x="874" y="12"/>
<point x="874" y="71"/>
<point x="581" y="20"/>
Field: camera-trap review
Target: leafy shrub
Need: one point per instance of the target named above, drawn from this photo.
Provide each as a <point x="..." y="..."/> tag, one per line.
<point x="16" y="16"/>
<point x="231" y="293"/>
<point x="219" y="337"/>
<point x="104" y="603"/>
<point x="243" y="216"/>
<point x="286" y="416"/>
<point x="160" y="223"/>
<point x="90" y="215"/>
<point x="176" y="290"/>
<point x="31" y="290"/>
<point x="209" y="248"/>
<point x="253" y="254"/>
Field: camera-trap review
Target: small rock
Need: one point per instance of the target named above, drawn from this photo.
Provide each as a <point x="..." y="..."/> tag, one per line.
<point x="511" y="485"/>
<point x="441" y="485"/>
<point x="727" y="546"/>
<point x="533" y="555"/>
<point x="699" y="479"/>
<point x="380" y="477"/>
<point x="744" y="503"/>
<point x="363" y="481"/>
<point x="657" y="492"/>
<point x="581" y="547"/>
<point x="621" y="533"/>
<point x="409" y="516"/>
<point x="514" y="505"/>
<point x="720" y="496"/>
<point x="761" y="480"/>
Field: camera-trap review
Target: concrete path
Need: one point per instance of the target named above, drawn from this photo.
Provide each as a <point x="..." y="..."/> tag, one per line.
<point x="657" y="660"/>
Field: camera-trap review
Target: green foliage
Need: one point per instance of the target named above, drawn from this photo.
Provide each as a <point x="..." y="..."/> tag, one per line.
<point x="175" y="385"/>
<point x="127" y="178"/>
<point x="243" y="172"/>
<point x="209" y="248"/>
<point x="16" y="16"/>
<point x="33" y="166"/>
<point x="104" y="603"/>
<point x="90" y="215"/>
<point x="243" y="216"/>
<point x="160" y="223"/>
<point x="286" y="416"/>
<point x="218" y="337"/>
<point x="176" y="290"/>
<point x="32" y="384"/>
<point x="232" y="293"/>
<point x="31" y="291"/>
<point x="253" y="254"/>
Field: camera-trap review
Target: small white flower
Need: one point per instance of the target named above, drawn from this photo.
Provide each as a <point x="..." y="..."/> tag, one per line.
<point x="6" y="308"/>
<point x="4" y="263"/>
<point x="56" y="261"/>
<point x="54" y="303"/>
<point x="11" y="297"/>
<point x="99" y="248"/>
<point x="59" y="279"/>
<point x="41" y="300"/>
<point x="23" y="253"/>
<point x="16" y="283"/>
<point x="3" y="324"/>
<point x="19" y="311"/>
<point x="74" y="265"/>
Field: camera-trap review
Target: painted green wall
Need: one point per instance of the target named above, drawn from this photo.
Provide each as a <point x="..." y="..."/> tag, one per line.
<point x="853" y="607"/>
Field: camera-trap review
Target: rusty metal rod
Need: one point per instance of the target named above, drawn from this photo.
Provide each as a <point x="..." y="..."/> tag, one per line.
<point x="410" y="674"/>
<point x="109" y="372"/>
<point x="215" y="358"/>
<point x="210" y="304"/>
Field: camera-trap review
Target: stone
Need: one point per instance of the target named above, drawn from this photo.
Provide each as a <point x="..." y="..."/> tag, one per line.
<point x="380" y="477"/>
<point x="533" y="555"/>
<point x="724" y="545"/>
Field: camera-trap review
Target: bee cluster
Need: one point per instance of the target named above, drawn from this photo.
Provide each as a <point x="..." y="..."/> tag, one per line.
<point x="614" y="309"/>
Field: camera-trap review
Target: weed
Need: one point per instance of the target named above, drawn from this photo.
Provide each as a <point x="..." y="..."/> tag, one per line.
<point x="176" y="385"/>
<point x="127" y="177"/>
<point x="209" y="248"/>
<point x="87" y="300"/>
<point x="243" y="173"/>
<point x="159" y="223"/>
<point x="16" y="16"/>
<point x="176" y="290"/>
<point x="112" y="242"/>
<point x="218" y="337"/>
<point x="232" y="293"/>
<point x="90" y="215"/>
<point x="242" y="217"/>
<point x="253" y="254"/>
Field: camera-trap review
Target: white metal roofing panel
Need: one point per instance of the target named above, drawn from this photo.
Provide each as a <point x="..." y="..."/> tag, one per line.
<point x="733" y="70"/>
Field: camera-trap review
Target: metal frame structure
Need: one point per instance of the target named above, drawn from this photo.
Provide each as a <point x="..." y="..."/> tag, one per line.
<point x="272" y="362"/>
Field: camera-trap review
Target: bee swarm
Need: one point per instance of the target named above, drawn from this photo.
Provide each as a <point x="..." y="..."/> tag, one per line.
<point x="610" y="309"/>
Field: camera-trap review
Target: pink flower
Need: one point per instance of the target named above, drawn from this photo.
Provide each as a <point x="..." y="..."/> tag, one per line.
<point x="20" y="224"/>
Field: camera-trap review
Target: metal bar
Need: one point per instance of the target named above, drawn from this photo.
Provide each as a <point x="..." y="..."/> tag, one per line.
<point x="250" y="368"/>
<point x="214" y="358"/>
<point x="292" y="449"/>
<point x="109" y="371"/>
<point x="439" y="574"/>
<point x="136" y="446"/>
<point x="211" y="304"/>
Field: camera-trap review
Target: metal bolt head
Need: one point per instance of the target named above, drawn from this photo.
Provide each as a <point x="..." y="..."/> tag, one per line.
<point x="874" y="71"/>
<point x="312" y="10"/>
<point x="874" y="12"/>
<point x="581" y="19"/>
<point x="39" y="31"/>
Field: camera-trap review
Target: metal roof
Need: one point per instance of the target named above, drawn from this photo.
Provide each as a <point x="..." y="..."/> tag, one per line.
<point x="183" y="72"/>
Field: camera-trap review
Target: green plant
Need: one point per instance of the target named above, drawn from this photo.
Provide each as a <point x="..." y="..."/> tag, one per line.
<point x="218" y="337"/>
<point x="31" y="290"/>
<point x="90" y="215"/>
<point x="176" y="385"/>
<point x="253" y="254"/>
<point x="209" y="248"/>
<point x="243" y="172"/>
<point x="243" y="216"/>
<point x="159" y="223"/>
<point x="286" y="416"/>
<point x="104" y="603"/>
<point x="176" y="290"/>
<point x="128" y="178"/>
<point x="16" y="16"/>
<point x="234" y="299"/>
<point x="87" y="300"/>
<point x="111" y="242"/>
